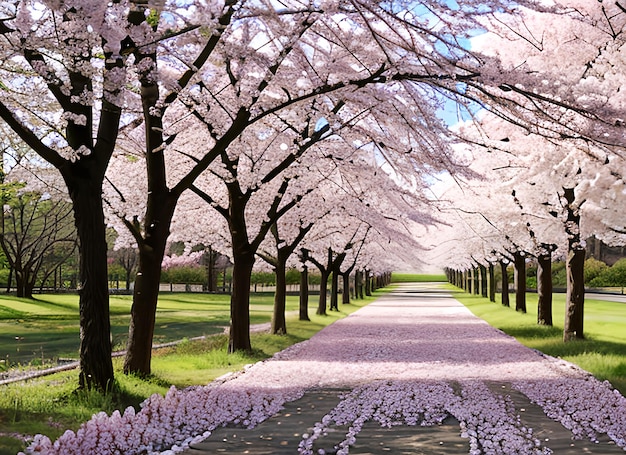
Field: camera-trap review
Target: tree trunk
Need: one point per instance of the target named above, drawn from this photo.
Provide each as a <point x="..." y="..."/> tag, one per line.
<point x="483" y="281"/>
<point x="544" y="289"/>
<point x="575" y="267"/>
<point x="505" y="284"/>
<point x="279" y="324"/>
<point x="239" y="338"/>
<point x="334" y="291"/>
<point x="321" y="307"/>
<point x="96" y="366"/>
<point x="345" y="296"/>
<point x="575" y="296"/>
<point x="210" y="258"/>
<point x="21" y="278"/>
<point x="143" y="311"/>
<point x="519" y="278"/>
<point x="304" y="294"/>
<point x="358" y="285"/>
<point x="10" y="279"/>
<point x="476" y="281"/>
<point x="128" y="277"/>
<point x="368" y="290"/>
<point x="492" y="283"/>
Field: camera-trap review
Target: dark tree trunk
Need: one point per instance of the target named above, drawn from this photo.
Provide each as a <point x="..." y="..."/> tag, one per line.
<point x="575" y="267"/>
<point x="304" y="294"/>
<point x="96" y="366"/>
<point x="575" y="296"/>
<point x="279" y="323"/>
<point x="334" y="292"/>
<point x="368" y="290"/>
<point x="483" y="281"/>
<point x="519" y="277"/>
<point x="358" y="285"/>
<point x="210" y="257"/>
<point x="10" y="279"/>
<point x="492" y="283"/>
<point x="345" y="296"/>
<point x="22" y="279"/>
<point x="321" y="307"/>
<point x="544" y="289"/>
<point x="128" y="277"/>
<point x="143" y="310"/>
<point x="476" y="281"/>
<point x="239" y="338"/>
<point x="505" y="284"/>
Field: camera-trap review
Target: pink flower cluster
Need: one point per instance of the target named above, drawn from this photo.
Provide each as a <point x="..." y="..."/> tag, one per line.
<point x="488" y="420"/>
<point x="585" y="406"/>
<point x="169" y="422"/>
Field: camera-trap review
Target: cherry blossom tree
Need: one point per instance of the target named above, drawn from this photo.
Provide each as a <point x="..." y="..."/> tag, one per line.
<point x="66" y="71"/>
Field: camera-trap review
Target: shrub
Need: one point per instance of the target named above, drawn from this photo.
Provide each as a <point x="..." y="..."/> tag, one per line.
<point x="559" y="274"/>
<point x="594" y="268"/>
<point x="611" y="276"/>
<point x="186" y="275"/>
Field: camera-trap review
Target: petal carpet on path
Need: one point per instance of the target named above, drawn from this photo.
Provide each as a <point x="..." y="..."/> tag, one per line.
<point x="414" y="372"/>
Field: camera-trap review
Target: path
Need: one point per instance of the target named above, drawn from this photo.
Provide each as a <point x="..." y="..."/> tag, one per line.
<point x="417" y="346"/>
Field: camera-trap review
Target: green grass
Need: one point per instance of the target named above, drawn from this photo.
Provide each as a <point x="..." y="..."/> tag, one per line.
<point x="399" y="277"/>
<point x="602" y="352"/>
<point x="51" y="405"/>
<point x="48" y="327"/>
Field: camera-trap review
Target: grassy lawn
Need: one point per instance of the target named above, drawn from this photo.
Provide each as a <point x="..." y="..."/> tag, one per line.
<point x="602" y="353"/>
<point x="400" y="277"/>
<point x="32" y="331"/>
<point x="51" y="405"/>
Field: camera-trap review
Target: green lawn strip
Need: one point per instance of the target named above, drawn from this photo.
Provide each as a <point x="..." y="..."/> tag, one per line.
<point x="47" y="328"/>
<point x="399" y="277"/>
<point x="602" y="352"/>
<point x="50" y="405"/>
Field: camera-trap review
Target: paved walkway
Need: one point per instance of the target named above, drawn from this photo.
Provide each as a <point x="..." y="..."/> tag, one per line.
<point x="415" y="345"/>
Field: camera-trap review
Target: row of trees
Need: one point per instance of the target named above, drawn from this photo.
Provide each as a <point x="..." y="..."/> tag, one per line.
<point x="540" y="190"/>
<point x="487" y="280"/>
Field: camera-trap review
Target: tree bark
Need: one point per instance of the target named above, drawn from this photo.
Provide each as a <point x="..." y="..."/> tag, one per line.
<point x="519" y="277"/>
<point x="492" y="283"/>
<point x="483" y="281"/>
<point x="321" y="307"/>
<point x="96" y="366"/>
<point x="505" y="284"/>
<point x="575" y="267"/>
<point x="279" y="323"/>
<point x="143" y="310"/>
<point x="544" y="289"/>
<point x="210" y="257"/>
<point x="575" y="295"/>
<point x="239" y="337"/>
<point x="345" y="296"/>
<point x="334" y="291"/>
<point x="476" y="281"/>
<point x="304" y="294"/>
<point x="368" y="289"/>
<point x="358" y="285"/>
